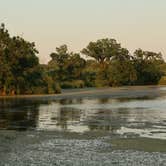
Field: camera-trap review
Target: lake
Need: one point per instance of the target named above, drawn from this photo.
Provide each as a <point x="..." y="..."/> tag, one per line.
<point x="107" y="126"/>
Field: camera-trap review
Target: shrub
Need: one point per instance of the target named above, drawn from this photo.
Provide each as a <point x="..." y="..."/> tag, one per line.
<point x="73" y="84"/>
<point x="162" y="81"/>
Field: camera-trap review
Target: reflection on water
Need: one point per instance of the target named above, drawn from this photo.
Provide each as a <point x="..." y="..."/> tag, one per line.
<point x="145" y="117"/>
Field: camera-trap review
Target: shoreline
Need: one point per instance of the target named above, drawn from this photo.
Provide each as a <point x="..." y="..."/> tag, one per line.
<point x="112" y="91"/>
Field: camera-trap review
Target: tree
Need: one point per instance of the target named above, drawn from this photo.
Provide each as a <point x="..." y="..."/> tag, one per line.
<point x="121" y="73"/>
<point x="110" y="65"/>
<point x="112" y="59"/>
<point x="58" y="62"/>
<point x="90" y="72"/>
<point x="147" y="66"/>
<point x="20" y="71"/>
<point x="74" y="66"/>
<point x="66" y="68"/>
<point x="6" y="77"/>
<point x="102" y="50"/>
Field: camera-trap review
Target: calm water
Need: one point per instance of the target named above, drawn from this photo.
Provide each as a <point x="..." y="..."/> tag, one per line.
<point x="137" y="123"/>
<point x="144" y="116"/>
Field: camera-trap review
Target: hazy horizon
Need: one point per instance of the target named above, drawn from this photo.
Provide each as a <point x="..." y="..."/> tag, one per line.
<point x="135" y="24"/>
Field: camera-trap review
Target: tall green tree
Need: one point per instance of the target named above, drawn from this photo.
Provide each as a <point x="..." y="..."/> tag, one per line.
<point x="111" y="57"/>
<point x="147" y="66"/>
<point x="102" y="50"/>
<point x="20" y="71"/>
<point x="66" y="67"/>
<point x="58" y="63"/>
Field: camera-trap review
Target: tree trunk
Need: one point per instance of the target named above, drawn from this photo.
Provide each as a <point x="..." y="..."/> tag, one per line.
<point x="12" y="93"/>
<point x="4" y="91"/>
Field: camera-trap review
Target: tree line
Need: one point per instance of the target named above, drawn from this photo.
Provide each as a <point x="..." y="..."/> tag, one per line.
<point x="107" y="64"/>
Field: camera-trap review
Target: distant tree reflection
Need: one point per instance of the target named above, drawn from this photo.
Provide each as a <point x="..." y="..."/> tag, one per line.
<point x="17" y="114"/>
<point x="78" y="115"/>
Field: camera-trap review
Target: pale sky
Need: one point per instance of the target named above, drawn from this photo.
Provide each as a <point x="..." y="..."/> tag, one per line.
<point x="51" y="23"/>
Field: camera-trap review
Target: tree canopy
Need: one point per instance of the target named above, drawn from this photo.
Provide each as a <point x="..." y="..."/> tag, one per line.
<point x="109" y="65"/>
<point x="20" y="71"/>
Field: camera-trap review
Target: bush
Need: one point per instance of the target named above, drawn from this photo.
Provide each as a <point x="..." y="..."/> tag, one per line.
<point x="73" y="84"/>
<point x="162" y="81"/>
<point x="57" y="88"/>
<point x="39" y="90"/>
<point x="101" y="83"/>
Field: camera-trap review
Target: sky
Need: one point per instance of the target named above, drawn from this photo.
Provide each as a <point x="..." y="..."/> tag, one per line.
<point x="51" y="23"/>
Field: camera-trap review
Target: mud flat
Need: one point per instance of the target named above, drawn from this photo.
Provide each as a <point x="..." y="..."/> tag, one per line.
<point x="50" y="149"/>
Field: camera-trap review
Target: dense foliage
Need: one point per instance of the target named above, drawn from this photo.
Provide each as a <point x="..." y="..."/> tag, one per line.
<point x="20" y="71"/>
<point x="108" y="64"/>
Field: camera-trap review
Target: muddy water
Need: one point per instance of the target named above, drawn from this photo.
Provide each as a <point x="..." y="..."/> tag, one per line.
<point x="120" y="127"/>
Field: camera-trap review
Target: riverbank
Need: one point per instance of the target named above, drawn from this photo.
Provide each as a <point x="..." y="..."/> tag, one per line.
<point x="116" y="92"/>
